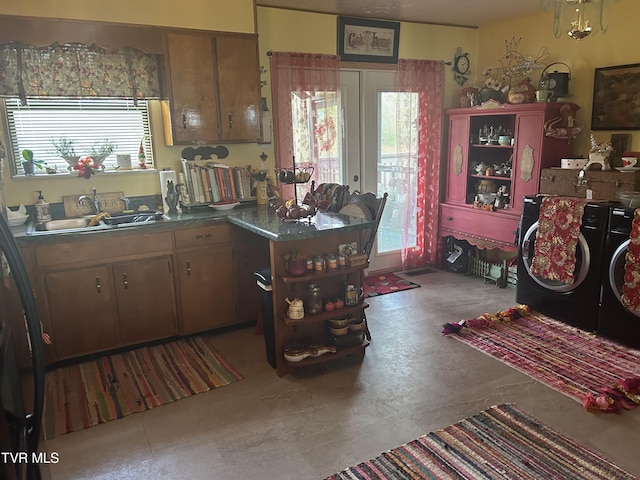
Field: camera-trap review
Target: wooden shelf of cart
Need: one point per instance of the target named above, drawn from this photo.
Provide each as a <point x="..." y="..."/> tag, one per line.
<point x="325" y="315"/>
<point x="315" y="276"/>
<point x="329" y="357"/>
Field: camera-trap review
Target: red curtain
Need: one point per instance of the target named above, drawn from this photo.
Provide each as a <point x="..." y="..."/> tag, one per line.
<point x="425" y="77"/>
<point x="297" y="74"/>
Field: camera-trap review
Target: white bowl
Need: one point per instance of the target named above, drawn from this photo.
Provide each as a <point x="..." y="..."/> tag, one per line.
<point x="225" y="206"/>
<point x="15" y="221"/>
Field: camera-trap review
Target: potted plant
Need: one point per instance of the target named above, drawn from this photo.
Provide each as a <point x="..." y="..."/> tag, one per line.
<point x="64" y="148"/>
<point x="30" y="162"/>
<point x="101" y="150"/>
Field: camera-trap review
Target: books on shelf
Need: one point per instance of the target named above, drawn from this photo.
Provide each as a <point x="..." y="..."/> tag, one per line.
<point x="214" y="182"/>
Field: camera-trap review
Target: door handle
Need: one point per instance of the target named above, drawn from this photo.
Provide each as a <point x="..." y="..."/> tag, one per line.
<point x="356" y="178"/>
<point x="98" y="285"/>
<point x="188" y="268"/>
<point x="125" y="282"/>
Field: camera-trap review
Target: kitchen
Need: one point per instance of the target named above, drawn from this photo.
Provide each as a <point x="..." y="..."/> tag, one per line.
<point x="287" y="30"/>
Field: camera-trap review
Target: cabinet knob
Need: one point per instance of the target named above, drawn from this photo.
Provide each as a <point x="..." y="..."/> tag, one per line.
<point x="203" y="235"/>
<point x="184" y="121"/>
<point x="449" y="218"/>
<point x="230" y="120"/>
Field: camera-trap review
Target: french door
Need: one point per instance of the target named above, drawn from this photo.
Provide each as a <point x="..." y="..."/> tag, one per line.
<point x="377" y="123"/>
<point x="364" y="136"/>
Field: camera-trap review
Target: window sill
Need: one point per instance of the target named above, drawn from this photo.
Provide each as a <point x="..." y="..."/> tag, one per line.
<point x="73" y="174"/>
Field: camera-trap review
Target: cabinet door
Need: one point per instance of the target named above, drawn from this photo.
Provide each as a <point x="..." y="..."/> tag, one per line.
<point x="83" y="311"/>
<point x="146" y="300"/>
<point x="194" y="103"/>
<point x="526" y="172"/>
<point x="207" y="289"/>
<point x="239" y="87"/>
<point x="458" y="159"/>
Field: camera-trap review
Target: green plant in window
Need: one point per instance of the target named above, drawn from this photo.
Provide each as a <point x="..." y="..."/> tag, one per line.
<point x="30" y="162"/>
<point x="102" y="149"/>
<point x="64" y="147"/>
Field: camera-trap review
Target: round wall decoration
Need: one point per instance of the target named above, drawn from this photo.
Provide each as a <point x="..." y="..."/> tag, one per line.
<point x="461" y="66"/>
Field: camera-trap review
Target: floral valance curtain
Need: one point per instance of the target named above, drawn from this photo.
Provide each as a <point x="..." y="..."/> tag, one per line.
<point x="76" y="70"/>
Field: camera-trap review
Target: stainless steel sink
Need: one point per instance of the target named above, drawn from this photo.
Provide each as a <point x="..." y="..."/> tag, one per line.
<point x="81" y="224"/>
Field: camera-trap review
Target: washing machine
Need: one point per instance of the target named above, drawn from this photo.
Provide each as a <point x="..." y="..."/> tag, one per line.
<point x="577" y="303"/>
<point x="615" y="321"/>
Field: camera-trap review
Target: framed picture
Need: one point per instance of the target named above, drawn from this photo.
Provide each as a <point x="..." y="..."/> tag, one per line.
<point x="616" y="98"/>
<point x="363" y="40"/>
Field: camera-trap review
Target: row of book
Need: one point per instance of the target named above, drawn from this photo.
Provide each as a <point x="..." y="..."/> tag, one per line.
<point x="214" y="183"/>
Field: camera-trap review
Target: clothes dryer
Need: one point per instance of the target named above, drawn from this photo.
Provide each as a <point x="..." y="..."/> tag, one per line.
<point x="615" y="321"/>
<point x="576" y="303"/>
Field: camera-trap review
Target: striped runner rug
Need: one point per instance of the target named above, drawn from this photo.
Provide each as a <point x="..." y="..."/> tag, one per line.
<point x="502" y="442"/>
<point x="111" y="387"/>
<point x="600" y="374"/>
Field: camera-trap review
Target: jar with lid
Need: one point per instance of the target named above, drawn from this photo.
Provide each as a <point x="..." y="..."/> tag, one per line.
<point x="314" y="301"/>
<point x="350" y="295"/>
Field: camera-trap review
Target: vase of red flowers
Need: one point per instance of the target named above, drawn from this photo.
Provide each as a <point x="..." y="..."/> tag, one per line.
<point x="86" y="167"/>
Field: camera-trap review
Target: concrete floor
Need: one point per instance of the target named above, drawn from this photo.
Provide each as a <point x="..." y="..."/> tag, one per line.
<point x="412" y="380"/>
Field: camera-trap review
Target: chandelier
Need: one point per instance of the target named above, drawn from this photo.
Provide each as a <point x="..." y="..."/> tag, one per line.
<point x="578" y="18"/>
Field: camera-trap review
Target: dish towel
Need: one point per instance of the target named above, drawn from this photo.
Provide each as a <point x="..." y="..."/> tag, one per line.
<point x="554" y="256"/>
<point x="631" y="286"/>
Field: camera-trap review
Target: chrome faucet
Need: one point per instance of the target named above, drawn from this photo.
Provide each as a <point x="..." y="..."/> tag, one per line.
<point x="94" y="203"/>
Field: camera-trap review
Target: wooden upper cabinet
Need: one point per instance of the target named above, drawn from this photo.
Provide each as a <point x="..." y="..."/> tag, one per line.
<point x="214" y="88"/>
<point x="239" y="88"/>
<point x="192" y="87"/>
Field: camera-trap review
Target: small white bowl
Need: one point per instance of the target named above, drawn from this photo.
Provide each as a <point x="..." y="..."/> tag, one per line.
<point x="15" y="221"/>
<point x="224" y="206"/>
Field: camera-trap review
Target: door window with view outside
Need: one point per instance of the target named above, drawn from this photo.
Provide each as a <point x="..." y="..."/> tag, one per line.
<point x="316" y="139"/>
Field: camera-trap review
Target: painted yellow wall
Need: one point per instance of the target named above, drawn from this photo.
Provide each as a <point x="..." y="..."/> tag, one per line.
<point x="230" y="16"/>
<point x="283" y="30"/>
<point x="616" y="47"/>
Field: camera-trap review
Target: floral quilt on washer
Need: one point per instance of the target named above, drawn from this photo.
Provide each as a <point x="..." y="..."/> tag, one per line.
<point x="631" y="285"/>
<point x="554" y="256"/>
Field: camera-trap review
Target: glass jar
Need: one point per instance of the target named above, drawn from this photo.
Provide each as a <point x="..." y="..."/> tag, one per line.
<point x="319" y="263"/>
<point x="332" y="262"/>
<point x="314" y="302"/>
<point x="350" y="295"/>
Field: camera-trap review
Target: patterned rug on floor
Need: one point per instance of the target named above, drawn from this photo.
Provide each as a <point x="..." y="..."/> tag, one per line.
<point x="502" y="442"/>
<point x="86" y="394"/>
<point x="384" y="283"/>
<point x="600" y="374"/>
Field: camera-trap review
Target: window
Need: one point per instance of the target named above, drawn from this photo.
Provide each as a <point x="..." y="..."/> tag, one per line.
<point x="88" y="123"/>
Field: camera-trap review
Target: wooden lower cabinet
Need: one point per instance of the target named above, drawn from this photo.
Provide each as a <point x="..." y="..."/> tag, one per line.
<point x="145" y="292"/>
<point x="82" y="309"/>
<point x="207" y="292"/>
<point x="204" y="263"/>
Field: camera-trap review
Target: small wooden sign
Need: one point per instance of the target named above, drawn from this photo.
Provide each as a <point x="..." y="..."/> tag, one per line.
<point x="109" y="202"/>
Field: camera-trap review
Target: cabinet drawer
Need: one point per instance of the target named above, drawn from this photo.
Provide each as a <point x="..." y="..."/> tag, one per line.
<point x="100" y="247"/>
<point x="209" y="235"/>
<point x="478" y="223"/>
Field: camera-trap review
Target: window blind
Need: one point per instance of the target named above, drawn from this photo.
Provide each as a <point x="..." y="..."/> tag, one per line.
<point x="85" y="122"/>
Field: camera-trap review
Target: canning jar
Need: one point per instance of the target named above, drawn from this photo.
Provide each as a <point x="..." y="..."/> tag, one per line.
<point x="314" y="301"/>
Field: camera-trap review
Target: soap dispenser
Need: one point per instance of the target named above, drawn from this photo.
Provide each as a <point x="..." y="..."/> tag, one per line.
<point x="43" y="213"/>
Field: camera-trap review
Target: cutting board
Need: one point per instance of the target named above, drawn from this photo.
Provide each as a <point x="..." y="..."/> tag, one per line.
<point x="110" y="202"/>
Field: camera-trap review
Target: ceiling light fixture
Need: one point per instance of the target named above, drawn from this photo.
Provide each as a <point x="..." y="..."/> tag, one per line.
<point x="583" y="17"/>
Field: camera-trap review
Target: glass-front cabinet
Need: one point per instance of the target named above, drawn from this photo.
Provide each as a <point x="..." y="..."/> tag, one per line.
<point x="495" y="157"/>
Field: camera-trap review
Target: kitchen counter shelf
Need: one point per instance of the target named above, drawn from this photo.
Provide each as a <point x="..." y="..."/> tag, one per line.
<point x="327" y="357"/>
<point x="311" y="277"/>
<point x="320" y="317"/>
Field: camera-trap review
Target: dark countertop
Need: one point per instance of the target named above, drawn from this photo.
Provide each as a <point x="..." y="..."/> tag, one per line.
<point x="261" y="220"/>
